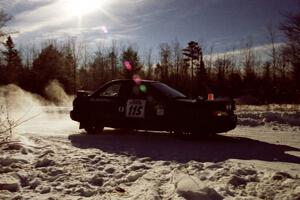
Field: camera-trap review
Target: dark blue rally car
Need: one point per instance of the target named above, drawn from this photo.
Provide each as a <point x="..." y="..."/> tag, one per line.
<point x="151" y="105"/>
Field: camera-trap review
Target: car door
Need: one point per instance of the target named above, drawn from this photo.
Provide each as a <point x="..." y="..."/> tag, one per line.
<point x="156" y="109"/>
<point x="105" y="103"/>
<point x="132" y="106"/>
<point x="143" y="107"/>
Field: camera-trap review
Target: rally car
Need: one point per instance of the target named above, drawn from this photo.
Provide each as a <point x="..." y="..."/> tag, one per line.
<point x="151" y="105"/>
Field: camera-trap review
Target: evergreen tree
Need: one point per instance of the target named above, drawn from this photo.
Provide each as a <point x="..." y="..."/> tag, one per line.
<point x="267" y="82"/>
<point x="48" y="66"/>
<point x="192" y="52"/>
<point x="194" y="57"/>
<point x="12" y="62"/>
<point x="131" y="62"/>
<point x="235" y="83"/>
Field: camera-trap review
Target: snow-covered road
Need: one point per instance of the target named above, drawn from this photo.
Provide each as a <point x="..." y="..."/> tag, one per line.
<point x="260" y="159"/>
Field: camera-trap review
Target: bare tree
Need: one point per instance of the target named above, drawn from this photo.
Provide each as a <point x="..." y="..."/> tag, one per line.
<point x="271" y="36"/>
<point x="223" y="67"/>
<point x="29" y="52"/>
<point x="149" y="64"/>
<point x="209" y="62"/>
<point x="165" y="60"/>
<point x="291" y="29"/>
<point x="71" y="52"/>
<point x="4" y="18"/>
<point x="177" y="58"/>
<point x="248" y="61"/>
<point x="113" y="55"/>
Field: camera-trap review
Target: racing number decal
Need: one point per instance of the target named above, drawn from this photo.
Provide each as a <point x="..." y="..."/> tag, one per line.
<point x="135" y="108"/>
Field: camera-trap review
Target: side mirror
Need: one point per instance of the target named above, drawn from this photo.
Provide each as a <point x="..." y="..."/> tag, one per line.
<point x="82" y="93"/>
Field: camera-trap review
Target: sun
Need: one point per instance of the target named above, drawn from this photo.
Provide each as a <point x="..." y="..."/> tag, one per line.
<point x="82" y="7"/>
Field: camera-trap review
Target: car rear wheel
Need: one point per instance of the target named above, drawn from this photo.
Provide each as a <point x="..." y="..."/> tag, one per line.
<point x="194" y="133"/>
<point x="203" y="134"/>
<point x="93" y="129"/>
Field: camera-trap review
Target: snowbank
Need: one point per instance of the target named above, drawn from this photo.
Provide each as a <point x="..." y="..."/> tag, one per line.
<point x="272" y="114"/>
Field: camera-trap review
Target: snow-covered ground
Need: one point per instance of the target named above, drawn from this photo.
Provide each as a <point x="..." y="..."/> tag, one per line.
<point x="260" y="159"/>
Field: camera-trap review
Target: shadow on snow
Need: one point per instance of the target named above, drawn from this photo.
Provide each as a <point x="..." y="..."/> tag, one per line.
<point x="164" y="146"/>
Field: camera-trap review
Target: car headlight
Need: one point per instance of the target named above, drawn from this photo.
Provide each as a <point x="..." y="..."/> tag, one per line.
<point x="220" y="114"/>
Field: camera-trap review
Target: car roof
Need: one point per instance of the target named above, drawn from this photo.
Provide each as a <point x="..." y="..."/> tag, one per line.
<point x="130" y="80"/>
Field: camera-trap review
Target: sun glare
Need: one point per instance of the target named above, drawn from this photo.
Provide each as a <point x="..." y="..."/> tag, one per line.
<point x="82" y="7"/>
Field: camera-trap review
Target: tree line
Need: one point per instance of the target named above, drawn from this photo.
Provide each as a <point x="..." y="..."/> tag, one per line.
<point x="186" y="68"/>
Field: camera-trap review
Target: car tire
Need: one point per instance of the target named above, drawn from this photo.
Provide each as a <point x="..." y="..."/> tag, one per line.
<point x="181" y="133"/>
<point x="92" y="129"/>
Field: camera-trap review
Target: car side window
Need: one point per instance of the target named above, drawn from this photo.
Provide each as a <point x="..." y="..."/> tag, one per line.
<point x="111" y="90"/>
<point x="144" y="92"/>
<point x="135" y="92"/>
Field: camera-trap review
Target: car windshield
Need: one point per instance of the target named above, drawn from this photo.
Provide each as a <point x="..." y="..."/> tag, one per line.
<point x="168" y="91"/>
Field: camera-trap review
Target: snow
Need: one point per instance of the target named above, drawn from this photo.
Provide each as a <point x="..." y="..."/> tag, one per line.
<point x="189" y="188"/>
<point x="260" y="159"/>
<point x="269" y="115"/>
<point x="9" y="183"/>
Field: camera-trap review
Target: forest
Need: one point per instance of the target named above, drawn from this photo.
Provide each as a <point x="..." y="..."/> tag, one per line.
<point x="239" y="73"/>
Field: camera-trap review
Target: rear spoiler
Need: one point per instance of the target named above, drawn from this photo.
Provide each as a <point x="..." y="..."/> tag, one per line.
<point x="211" y="97"/>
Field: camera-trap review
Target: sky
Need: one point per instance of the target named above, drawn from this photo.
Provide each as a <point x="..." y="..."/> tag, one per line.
<point x="223" y="24"/>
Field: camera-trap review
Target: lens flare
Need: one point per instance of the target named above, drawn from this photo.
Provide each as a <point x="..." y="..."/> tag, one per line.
<point x="127" y="65"/>
<point x="104" y="29"/>
<point x="137" y="79"/>
<point x="143" y="88"/>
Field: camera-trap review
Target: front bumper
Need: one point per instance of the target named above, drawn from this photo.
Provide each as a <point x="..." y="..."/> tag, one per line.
<point x="223" y="124"/>
<point x="75" y="115"/>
